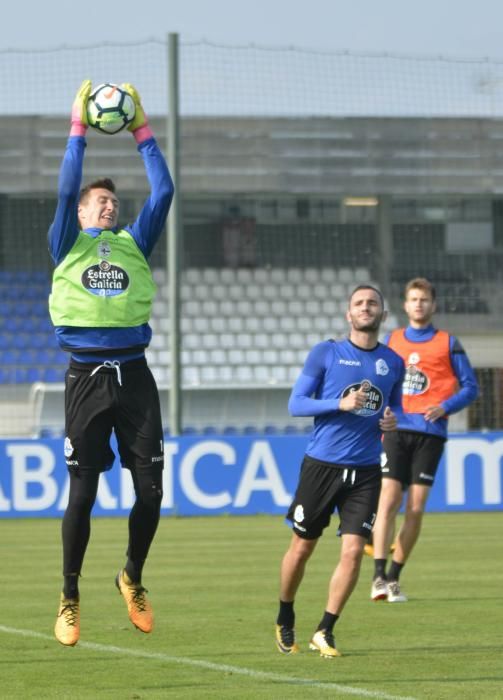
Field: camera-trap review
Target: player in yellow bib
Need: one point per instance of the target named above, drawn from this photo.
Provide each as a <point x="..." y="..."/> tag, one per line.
<point x="100" y="306"/>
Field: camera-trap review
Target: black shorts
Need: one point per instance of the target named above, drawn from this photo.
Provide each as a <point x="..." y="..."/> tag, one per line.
<point x="96" y="403"/>
<point x="323" y="487"/>
<point x="411" y="458"/>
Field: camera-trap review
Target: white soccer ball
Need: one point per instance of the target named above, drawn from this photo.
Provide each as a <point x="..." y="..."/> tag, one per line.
<point x="110" y="109"/>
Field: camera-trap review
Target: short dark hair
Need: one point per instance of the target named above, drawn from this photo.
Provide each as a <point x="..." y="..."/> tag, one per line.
<point x="420" y="283"/>
<point x="104" y="183"/>
<point x="367" y="286"/>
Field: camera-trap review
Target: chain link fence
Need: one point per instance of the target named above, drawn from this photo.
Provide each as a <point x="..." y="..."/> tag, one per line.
<point x="302" y="173"/>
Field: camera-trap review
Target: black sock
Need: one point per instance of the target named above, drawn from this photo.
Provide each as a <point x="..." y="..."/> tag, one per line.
<point x="327" y="621"/>
<point x="394" y="571"/>
<point x="143" y="520"/>
<point x="71" y="586"/>
<point x="379" y="568"/>
<point x="134" y="570"/>
<point x="286" y="615"/>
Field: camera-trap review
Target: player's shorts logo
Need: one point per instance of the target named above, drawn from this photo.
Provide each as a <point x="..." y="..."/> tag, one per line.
<point x="298" y="514"/>
<point x="68" y="447"/>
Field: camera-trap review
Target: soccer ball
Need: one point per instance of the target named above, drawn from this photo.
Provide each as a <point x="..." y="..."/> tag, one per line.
<point x="110" y="109"/>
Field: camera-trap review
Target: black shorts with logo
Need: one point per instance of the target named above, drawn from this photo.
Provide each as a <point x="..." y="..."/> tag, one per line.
<point x="323" y="487"/>
<point x="96" y="403"/>
<point x="411" y="458"/>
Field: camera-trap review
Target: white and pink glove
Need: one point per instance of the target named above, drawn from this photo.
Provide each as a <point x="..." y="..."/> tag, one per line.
<point x="139" y="127"/>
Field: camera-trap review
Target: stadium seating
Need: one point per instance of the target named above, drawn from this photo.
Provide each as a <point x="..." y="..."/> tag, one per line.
<point x="247" y="330"/>
<point x="252" y="326"/>
<point x="239" y="326"/>
<point x="28" y="348"/>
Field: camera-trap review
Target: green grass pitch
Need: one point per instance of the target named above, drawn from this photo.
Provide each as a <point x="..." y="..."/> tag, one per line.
<point x="213" y="583"/>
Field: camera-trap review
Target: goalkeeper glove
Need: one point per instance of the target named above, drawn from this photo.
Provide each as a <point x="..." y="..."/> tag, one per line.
<point x="79" y="110"/>
<point x="139" y="127"/>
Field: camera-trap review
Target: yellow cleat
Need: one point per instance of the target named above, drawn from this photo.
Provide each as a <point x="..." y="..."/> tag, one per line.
<point x="285" y="640"/>
<point x="368" y="549"/>
<point x="138" y="607"/>
<point x="67" y="628"/>
<point x="324" y="642"/>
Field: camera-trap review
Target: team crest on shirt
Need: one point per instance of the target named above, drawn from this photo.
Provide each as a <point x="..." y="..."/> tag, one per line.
<point x="382" y="367"/>
<point x="414" y="358"/>
<point x="374" y="401"/>
<point x="104" y="249"/>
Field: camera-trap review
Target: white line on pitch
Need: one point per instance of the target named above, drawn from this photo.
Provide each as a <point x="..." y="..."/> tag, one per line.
<point x="210" y="666"/>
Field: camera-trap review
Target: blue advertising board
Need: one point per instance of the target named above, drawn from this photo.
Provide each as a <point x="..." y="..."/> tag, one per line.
<point x="234" y="475"/>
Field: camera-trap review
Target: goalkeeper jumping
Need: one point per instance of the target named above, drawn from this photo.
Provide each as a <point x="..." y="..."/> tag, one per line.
<point x="100" y="305"/>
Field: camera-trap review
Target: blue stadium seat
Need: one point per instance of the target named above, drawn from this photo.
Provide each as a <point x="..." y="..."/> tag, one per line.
<point x="39" y="340"/>
<point x="33" y="374"/>
<point x="51" y="433"/>
<point x="28" y="324"/>
<point x="20" y="375"/>
<point x="61" y="358"/>
<point x="15" y="292"/>
<point x="189" y="430"/>
<point x="38" y="308"/>
<point x="21" y="341"/>
<point x="34" y="291"/>
<point x="50" y="341"/>
<point x="27" y="356"/>
<point x="44" y="324"/>
<point x="5" y="375"/>
<point x="13" y="324"/>
<point x="40" y="277"/>
<point x="22" y="308"/>
<point x="10" y="357"/>
<point x="53" y="374"/>
<point x="43" y="357"/>
<point x="27" y="277"/>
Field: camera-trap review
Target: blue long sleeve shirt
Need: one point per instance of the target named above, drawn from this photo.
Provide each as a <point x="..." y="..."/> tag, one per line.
<point x="332" y="370"/>
<point x="467" y="392"/>
<point x="120" y="343"/>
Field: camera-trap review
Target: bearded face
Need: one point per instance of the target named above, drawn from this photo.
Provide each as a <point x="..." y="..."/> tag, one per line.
<point x="365" y="311"/>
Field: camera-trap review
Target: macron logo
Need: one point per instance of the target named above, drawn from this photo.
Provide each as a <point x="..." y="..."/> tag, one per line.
<point x="351" y="363"/>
